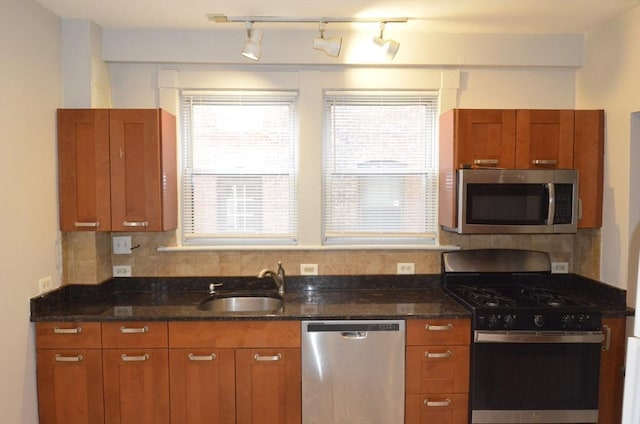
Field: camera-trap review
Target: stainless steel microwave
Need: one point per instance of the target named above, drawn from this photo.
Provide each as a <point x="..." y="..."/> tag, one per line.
<point x="507" y="201"/>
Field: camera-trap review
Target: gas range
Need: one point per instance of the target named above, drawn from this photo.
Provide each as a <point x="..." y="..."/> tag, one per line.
<point x="511" y="290"/>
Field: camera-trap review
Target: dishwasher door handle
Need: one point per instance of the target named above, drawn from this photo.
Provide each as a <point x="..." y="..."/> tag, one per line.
<point x="354" y="335"/>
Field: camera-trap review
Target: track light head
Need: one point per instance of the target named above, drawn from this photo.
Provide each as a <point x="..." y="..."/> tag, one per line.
<point x="389" y="47"/>
<point x="252" y="48"/>
<point x="331" y="46"/>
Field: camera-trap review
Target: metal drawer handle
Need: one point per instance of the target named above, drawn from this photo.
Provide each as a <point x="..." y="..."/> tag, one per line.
<point x="544" y="162"/>
<point x="437" y="403"/>
<point x="60" y="358"/>
<point x="193" y="357"/>
<point x="95" y="224"/>
<point x="58" y="330"/>
<point x="126" y="330"/>
<point x="135" y="224"/>
<point x="485" y="162"/>
<point x="438" y="355"/>
<point x="140" y="358"/>
<point x="273" y="358"/>
<point x="447" y="327"/>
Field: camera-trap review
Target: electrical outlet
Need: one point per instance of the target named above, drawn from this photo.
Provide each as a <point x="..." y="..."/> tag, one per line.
<point x="45" y="284"/>
<point x="122" y="245"/>
<point x="308" y="269"/>
<point x="559" y="267"/>
<point x="122" y="270"/>
<point x="406" y="268"/>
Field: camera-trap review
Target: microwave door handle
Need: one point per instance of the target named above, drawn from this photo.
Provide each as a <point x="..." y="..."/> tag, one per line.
<point x="552" y="203"/>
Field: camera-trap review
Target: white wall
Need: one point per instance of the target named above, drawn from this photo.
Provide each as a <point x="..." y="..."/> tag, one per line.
<point x="610" y="79"/>
<point x="30" y="91"/>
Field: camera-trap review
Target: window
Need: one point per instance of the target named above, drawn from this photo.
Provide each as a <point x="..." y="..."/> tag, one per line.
<point x="380" y="168"/>
<point x="239" y="156"/>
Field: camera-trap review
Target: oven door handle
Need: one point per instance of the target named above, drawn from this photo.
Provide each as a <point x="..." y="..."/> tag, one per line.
<point x="538" y="337"/>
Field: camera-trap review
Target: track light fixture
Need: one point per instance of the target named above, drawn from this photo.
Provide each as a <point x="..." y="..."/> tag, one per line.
<point x="252" y="48"/>
<point x="331" y="46"/>
<point x="389" y="47"/>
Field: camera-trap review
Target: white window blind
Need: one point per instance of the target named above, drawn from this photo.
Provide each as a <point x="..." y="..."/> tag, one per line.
<point x="239" y="163"/>
<point x="380" y="167"/>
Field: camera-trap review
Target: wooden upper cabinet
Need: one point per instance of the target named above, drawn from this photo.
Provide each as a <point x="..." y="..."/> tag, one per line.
<point x="143" y="170"/>
<point x="83" y="170"/>
<point x="524" y="139"/>
<point x="117" y="169"/>
<point x="544" y="139"/>
<point x="485" y="137"/>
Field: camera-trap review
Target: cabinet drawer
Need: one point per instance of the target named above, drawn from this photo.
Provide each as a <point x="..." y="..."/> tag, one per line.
<point x="134" y="334"/>
<point x="437" y="369"/>
<point x="440" y="408"/>
<point x="234" y="334"/>
<point x="68" y="335"/>
<point x="439" y="332"/>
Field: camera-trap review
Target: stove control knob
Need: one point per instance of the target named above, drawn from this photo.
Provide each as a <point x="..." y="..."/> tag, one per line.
<point x="509" y="321"/>
<point x="567" y="321"/>
<point x="582" y="320"/>
<point x="493" y="321"/>
<point x="538" y="320"/>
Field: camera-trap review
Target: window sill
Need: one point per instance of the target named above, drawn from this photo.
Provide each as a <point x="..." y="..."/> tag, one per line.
<point x="300" y="248"/>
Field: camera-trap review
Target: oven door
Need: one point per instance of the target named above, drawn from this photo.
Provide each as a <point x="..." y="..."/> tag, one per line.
<point x="535" y="377"/>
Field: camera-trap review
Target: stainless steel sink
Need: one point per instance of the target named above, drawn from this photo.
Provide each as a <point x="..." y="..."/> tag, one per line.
<point x="243" y="304"/>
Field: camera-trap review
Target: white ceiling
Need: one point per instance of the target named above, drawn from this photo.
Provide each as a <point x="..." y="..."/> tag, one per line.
<point x="449" y="16"/>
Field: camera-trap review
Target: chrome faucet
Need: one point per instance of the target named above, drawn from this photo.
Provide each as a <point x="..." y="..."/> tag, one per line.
<point x="278" y="276"/>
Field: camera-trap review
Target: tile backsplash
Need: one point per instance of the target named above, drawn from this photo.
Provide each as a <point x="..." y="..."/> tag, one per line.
<point x="88" y="257"/>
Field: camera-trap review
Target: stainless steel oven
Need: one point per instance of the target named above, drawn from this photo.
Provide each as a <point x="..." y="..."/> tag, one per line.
<point x="535" y="377"/>
<point x="535" y="353"/>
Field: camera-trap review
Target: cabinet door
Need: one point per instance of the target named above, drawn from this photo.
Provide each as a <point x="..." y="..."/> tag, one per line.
<point x="612" y="371"/>
<point x="485" y="137"/>
<point x="139" y="183"/>
<point x="588" y="159"/>
<point x="268" y="386"/>
<point x="70" y="386"/>
<point x="544" y="139"/>
<point x="83" y="167"/>
<point x="136" y="386"/>
<point x="202" y="386"/>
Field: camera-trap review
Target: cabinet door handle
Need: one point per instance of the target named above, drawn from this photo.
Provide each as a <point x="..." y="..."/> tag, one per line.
<point x="438" y="355"/>
<point x="127" y="330"/>
<point x="139" y="358"/>
<point x="485" y="162"/>
<point x="60" y="358"/>
<point x="95" y="224"/>
<point x="273" y="358"/>
<point x="135" y="223"/>
<point x="607" y="338"/>
<point x="447" y="327"/>
<point x="193" y="357"/>
<point x="437" y="403"/>
<point x="58" y="330"/>
<point x="544" y="162"/>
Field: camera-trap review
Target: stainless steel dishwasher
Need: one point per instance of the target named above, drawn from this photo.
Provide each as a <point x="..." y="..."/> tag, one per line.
<point x="353" y="372"/>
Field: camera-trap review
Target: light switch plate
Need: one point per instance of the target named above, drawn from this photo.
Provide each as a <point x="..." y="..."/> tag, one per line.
<point x="121" y="245"/>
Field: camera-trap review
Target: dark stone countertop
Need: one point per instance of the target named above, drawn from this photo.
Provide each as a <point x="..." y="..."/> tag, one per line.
<point x="317" y="297"/>
<point x="309" y="297"/>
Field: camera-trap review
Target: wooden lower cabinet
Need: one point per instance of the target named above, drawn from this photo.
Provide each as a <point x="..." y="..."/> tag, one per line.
<point x="136" y="386"/>
<point x="202" y="386"/>
<point x="437" y="371"/>
<point x="612" y="371"/>
<point x="268" y="386"/>
<point x="69" y="373"/>
<point x="249" y="372"/>
<point x="70" y="386"/>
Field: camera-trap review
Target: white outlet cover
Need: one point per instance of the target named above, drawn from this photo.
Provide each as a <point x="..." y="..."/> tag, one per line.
<point x="121" y="245"/>
<point x="122" y="270"/>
